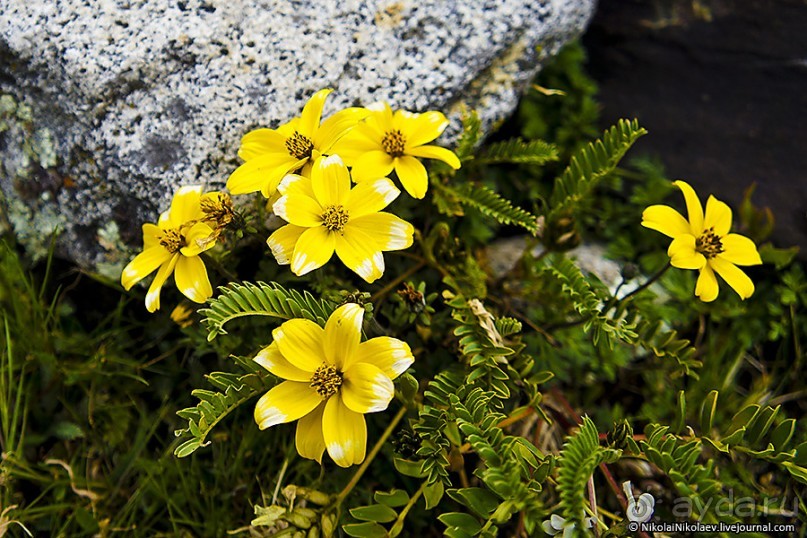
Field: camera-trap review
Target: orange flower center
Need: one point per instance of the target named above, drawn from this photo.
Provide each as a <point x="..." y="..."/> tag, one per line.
<point x="335" y="218"/>
<point x="173" y="240"/>
<point x="709" y="244"/>
<point x="326" y="381"/>
<point x="393" y="143"/>
<point x="299" y="146"/>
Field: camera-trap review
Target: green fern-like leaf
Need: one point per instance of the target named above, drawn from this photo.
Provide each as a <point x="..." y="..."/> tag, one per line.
<point x="471" y="134"/>
<point x="590" y="306"/>
<point x="519" y="151"/>
<point x="580" y="456"/>
<point x="214" y="406"/>
<point x="589" y="165"/>
<point x="487" y="202"/>
<point x="261" y="299"/>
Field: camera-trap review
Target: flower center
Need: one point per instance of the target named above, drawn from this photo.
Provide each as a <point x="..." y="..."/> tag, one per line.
<point x="172" y="240"/>
<point x="393" y="143"/>
<point x="326" y="380"/>
<point x="218" y="209"/>
<point x="335" y="217"/>
<point x="709" y="244"/>
<point x="299" y="146"/>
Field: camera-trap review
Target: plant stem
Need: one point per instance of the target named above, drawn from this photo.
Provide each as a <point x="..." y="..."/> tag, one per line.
<point x="370" y="457"/>
<point x="641" y="288"/>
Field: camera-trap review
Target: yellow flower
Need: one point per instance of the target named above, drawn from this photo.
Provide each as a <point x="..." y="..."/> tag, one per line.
<point x="326" y="215"/>
<point x="331" y="381"/>
<point x="173" y="245"/>
<point x="270" y="154"/>
<point x="384" y="141"/>
<point x="704" y="243"/>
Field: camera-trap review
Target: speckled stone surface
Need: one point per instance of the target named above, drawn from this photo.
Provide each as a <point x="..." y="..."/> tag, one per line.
<point x="109" y="105"/>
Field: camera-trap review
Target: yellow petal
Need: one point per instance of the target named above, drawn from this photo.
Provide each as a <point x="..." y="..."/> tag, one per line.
<point x="273" y="360"/>
<point x="185" y="206"/>
<point x="153" y="294"/>
<point x="694" y="207"/>
<point x="151" y="235"/>
<point x="199" y="238"/>
<point x="309" y="440"/>
<point x="332" y="130"/>
<point x="191" y="279"/>
<point x="706" y="288"/>
<point x="285" y="402"/>
<point x="330" y="181"/>
<point x="436" y="152"/>
<point x="381" y="119"/>
<point x="143" y="265"/>
<point x="295" y="183"/>
<point x="260" y="142"/>
<point x="734" y="277"/>
<point x="300" y="342"/>
<point x="718" y="216"/>
<point x="370" y="197"/>
<point x="312" y="112"/>
<point x="366" y="389"/>
<point x="299" y="209"/>
<point x="739" y="250"/>
<point x="372" y="165"/>
<point x="419" y="129"/>
<point x="412" y="175"/>
<point x="343" y="333"/>
<point x="666" y="220"/>
<point x="391" y="355"/>
<point x="261" y="173"/>
<point x="345" y="433"/>
<point x="313" y="250"/>
<point x="388" y="231"/>
<point x="355" y="144"/>
<point x="283" y="241"/>
<point x="683" y="255"/>
<point x="360" y="253"/>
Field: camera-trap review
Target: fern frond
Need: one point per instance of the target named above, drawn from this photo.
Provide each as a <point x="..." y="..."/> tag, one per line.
<point x="214" y="406"/>
<point x="261" y="299"/>
<point x="491" y="204"/>
<point x="579" y="457"/>
<point x="589" y="305"/>
<point x="519" y="151"/>
<point x="471" y="134"/>
<point x="590" y="164"/>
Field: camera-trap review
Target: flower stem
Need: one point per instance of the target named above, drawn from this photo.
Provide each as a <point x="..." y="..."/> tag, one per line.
<point x="370" y="457"/>
<point x="644" y="286"/>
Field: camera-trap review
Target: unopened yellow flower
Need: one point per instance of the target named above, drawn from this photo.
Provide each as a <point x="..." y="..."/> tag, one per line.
<point x="704" y="243"/>
<point x="331" y="380"/>
<point x="384" y="142"/>
<point x="270" y="154"/>
<point x="173" y="245"/>
<point x="326" y="215"/>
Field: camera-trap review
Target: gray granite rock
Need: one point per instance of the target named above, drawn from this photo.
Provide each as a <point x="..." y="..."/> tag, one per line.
<point x="107" y="106"/>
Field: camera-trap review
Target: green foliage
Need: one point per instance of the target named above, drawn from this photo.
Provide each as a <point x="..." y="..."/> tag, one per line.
<point x="213" y="407"/>
<point x="590" y="165"/>
<point x="485" y="201"/>
<point x="518" y="151"/>
<point x="261" y="299"/>
<point x="580" y="456"/>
